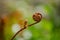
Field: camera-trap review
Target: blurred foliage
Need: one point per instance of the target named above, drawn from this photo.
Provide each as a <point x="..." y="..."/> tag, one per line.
<point x="19" y="10"/>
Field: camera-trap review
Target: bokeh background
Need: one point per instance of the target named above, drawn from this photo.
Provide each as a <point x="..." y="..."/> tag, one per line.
<point x="14" y="12"/>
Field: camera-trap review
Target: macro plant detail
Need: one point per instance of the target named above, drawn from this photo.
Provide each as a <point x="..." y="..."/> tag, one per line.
<point x="29" y="20"/>
<point x="36" y="17"/>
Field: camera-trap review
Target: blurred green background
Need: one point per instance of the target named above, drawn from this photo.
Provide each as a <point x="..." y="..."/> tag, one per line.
<point x="47" y="29"/>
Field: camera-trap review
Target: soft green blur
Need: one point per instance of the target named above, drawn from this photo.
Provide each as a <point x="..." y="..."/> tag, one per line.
<point x="47" y="29"/>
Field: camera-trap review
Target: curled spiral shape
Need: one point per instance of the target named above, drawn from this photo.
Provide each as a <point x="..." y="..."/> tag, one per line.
<point x="37" y="17"/>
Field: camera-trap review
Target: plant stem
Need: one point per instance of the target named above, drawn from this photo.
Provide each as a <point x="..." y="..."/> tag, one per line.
<point x="22" y="30"/>
<point x="37" y="18"/>
<point x="18" y="32"/>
